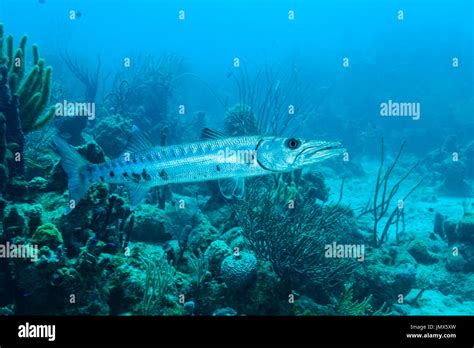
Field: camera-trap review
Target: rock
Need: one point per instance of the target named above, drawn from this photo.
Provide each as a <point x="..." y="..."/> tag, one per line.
<point x="34" y="214"/>
<point x="37" y="184"/>
<point x="450" y="231"/>
<point x="112" y="134"/>
<point x="404" y="257"/>
<point x="7" y="310"/>
<point x="419" y="250"/>
<point x="433" y="302"/>
<point x="404" y="277"/>
<point x="306" y="306"/>
<point x="455" y="173"/>
<point x="412" y="295"/>
<point x="438" y="225"/>
<point x="151" y="225"/>
<point x="189" y="307"/>
<point x="317" y="186"/>
<point x="398" y="309"/>
<point x="239" y="270"/>
<point x="455" y="263"/>
<point x="203" y="234"/>
<point x="92" y="152"/>
<point x="48" y="235"/>
<point x="234" y="238"/>
<point x="224" y="312"/>
<point x="465" y="228"/>
<point x="13" y="223"/>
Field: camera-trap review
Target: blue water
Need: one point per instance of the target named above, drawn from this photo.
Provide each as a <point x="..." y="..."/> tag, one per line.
<point x="409" y="60"/>
<point x="337" y="62"/>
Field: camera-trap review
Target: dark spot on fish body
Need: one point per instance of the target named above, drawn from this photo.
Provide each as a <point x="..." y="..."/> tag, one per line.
<point x="111" y="174"/>
<point x="164" y="175"/>
<point x="102" y="179"/>
<point x="125" y="174"/>
<point x="145" y="175"/>
<point x="218" y="168"/>
<point x="149" y="157"/>
<point x="136" y="178"/>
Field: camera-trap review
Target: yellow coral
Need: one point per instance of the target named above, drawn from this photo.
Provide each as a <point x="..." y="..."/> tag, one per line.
<point x="34" y="89"/>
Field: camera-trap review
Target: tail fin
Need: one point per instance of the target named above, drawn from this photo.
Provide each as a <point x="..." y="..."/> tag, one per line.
<point x="73" y="164"/>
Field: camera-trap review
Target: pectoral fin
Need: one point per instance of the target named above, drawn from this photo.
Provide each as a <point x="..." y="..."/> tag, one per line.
<point x="136" y="193"/>
<point x="232" y="187"/>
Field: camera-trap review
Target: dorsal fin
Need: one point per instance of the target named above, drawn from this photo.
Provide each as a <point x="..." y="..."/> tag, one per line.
<point x="138" y="141"/>
<point x="208" y="133"/>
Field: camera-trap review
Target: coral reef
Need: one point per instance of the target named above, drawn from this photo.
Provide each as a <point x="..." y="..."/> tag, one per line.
<point x="449" y="167"/>
<point x="240" y="120"/>
<point x="215" y="254"/>
<point x="380" y="206"/>
<point x="47" y="235"/>
<point x="112" y="134"/>
<point x="239" y="270"/>
<point x="23" y="100"/>
<point x="291" y="238"/>
<point x="188" y="251"/>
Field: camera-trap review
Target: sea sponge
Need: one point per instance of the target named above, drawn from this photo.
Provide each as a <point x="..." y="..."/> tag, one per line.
<point x="419" y="250"/>
<point x="33" y="90"/>
<point x="215" y="254"/>
<point x="239" y="270"/>
<point x="240" y="120"/>
<point x="112" y="134"/>
<point x="466" y="228"/>
<point x="48" y="235"/>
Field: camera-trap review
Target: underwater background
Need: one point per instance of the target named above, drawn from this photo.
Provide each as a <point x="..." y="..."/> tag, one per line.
<point x="385" y="229"/>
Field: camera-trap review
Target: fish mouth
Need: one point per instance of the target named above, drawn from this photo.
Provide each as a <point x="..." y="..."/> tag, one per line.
<point x="320" y="151"/>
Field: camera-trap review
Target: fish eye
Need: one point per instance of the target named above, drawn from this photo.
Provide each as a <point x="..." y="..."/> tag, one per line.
<point x="293" y="143"/>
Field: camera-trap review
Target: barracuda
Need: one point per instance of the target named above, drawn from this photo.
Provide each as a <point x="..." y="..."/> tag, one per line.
<point x="218" y="157"/>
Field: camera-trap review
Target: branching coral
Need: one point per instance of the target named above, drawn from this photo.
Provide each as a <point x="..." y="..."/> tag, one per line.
<point x="383" y="196"/>
<point x="145" y="89"/>
<point x="346" y="304"/>
<point x="277" y="97"/>
<point x="293" y="239"/>
<point x="88" y="79"/>
<point x="75" y="125"/>
<point x="159" y="280"/>
<point x="199" y="266"/>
